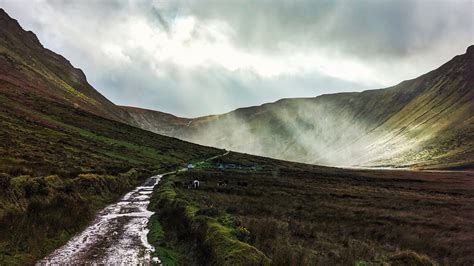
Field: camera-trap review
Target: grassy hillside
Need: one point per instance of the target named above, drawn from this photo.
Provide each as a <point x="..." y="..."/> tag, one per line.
<point x="59" y="165"/>
<point x="63" y="152"/>
<point x="426" y="122"/>
<point x="297" y="214"/>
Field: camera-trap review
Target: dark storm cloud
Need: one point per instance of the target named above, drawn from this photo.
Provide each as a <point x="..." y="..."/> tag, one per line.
<point x="199" y="57"/>
<point x="361" y="28"/>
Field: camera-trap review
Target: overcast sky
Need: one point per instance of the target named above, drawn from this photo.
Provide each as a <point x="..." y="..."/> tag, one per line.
<point x="193" y="58"/>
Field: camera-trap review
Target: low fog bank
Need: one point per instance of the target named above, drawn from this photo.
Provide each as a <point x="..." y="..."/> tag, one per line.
<point x="326" y="133"/>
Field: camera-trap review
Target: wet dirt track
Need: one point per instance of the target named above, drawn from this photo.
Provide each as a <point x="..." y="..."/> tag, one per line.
<point x="118" y="235"/>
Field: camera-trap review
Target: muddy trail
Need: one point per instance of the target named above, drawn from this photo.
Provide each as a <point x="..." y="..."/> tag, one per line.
<point x="117" y="236"/>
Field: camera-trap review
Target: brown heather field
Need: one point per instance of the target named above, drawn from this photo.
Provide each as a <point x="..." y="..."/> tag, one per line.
<point x="299" y="214"/>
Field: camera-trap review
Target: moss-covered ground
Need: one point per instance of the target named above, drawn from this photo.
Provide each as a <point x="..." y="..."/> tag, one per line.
<point x="196" y="235"/>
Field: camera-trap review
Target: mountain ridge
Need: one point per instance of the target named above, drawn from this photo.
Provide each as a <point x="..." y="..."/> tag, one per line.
<point x="405" y="125"/>
<point x="25" y="61"/>
<point x="368" y="111"/>
<point x="469" y="51"/>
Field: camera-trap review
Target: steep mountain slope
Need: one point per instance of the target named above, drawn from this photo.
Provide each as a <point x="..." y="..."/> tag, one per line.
<point x="24" y="62"/>
<point x="423" y="122"/>
<point x="63" y="153"/>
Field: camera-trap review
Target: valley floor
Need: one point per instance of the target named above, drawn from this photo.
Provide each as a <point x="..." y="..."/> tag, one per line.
<point x="255" y="210"/>
<point x="309" y="215"/>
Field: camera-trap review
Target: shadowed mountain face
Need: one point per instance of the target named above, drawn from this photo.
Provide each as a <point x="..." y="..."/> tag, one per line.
<point x="25" y="63"/>
<point x="424" y="122"/>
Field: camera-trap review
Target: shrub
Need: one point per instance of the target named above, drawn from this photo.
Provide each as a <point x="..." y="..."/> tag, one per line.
<point x="242" y="234"/>
<point x="35" y="186"/>
<point x="54" y="180"/>
<point x="411" y="258"/>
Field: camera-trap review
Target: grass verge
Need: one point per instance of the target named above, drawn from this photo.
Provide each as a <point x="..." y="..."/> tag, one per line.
<point x="197" y="235"/>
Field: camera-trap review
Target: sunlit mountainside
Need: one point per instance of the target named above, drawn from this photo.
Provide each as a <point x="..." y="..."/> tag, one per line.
<point x="426" y="122"/>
